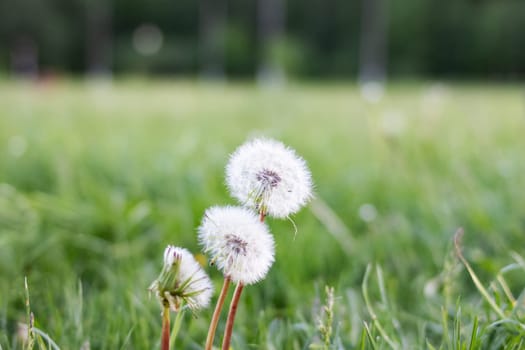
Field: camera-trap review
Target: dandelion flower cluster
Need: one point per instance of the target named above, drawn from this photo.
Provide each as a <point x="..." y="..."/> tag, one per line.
<point x="239" y="244"/>
<point x="269" y="177"/>
<point x="182" y="280"/>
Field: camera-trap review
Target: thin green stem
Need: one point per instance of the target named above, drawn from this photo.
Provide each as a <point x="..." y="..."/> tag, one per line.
<point x="176" y="326"/>
<point x="30" y="319"/>
<point x="217" y="313"/>
<point x="473" y="276"/>
<point x="371" y="311"/>
<point x="50" y="343"/>
<point x="231" y="317"/>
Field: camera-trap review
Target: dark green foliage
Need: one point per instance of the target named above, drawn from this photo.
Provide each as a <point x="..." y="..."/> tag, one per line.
<point x="448" y="38"/>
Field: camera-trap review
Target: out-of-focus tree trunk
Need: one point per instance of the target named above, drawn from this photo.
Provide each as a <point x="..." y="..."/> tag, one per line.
<point x="271" y="25"/>
<point x="212" y="18"/>
<point x="373" y="45"/>
<point x="24" y="58"/>
<point x="99" y="37"/>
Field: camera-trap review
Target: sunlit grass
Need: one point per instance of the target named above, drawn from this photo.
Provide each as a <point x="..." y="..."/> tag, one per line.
<point x="96" y="179"/>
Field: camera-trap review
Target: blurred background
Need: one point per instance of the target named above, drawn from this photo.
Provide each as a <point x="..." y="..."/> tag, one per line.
<point x="310" y="39"/>
<point x="117" y="119"/>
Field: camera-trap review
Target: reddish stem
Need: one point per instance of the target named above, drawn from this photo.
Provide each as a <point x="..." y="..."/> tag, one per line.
<point x="262" y="216"/>
<point x="231" y="317"/>
<point x="165" y="338"/>
<point x="217" y="313"/>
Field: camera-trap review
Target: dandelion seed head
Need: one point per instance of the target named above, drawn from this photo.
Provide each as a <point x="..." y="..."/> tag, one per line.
<point x="268" y="176"/>
<point x="182" y="280"/>
<point x="238" y="243"/>
<point x="368" y="212"/>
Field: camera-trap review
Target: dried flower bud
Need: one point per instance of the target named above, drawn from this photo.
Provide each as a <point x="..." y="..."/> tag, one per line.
<point x="182" y="280"/>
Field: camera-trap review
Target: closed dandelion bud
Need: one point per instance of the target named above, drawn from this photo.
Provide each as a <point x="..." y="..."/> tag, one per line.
<point x="238" y="243"/>
<point x="182" y="281"/>
<point x="269" y="177"/>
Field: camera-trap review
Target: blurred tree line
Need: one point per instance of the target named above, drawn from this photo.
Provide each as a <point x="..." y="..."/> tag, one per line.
<point x="305" y="38"/>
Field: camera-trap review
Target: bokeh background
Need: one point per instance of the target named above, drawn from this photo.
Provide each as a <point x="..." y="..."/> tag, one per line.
<point x="117" y="119"/>
<point x="476" y="39"/>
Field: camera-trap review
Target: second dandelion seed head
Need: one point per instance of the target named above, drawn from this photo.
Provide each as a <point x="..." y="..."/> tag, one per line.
<point x="238" y="243"/>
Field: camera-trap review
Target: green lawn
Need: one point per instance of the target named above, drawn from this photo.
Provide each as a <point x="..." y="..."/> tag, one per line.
<point x="96" y="179"/>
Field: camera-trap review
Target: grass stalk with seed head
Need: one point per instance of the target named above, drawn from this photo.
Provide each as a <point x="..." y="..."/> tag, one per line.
<point x="30" y="343"/>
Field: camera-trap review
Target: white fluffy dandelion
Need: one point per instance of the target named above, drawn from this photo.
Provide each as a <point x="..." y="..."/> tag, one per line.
<point x="270" y="177"/>
<point x="239" y="244"/>
<point x="182" y="280"/>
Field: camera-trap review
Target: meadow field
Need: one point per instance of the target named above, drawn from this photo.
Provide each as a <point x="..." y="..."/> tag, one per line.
<point x="97" y="178"/>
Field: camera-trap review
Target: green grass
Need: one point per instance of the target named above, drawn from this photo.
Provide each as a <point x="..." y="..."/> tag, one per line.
<point x="95" y="180"/>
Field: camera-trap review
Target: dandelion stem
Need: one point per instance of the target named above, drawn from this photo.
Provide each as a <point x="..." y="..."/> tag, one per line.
<point x="165" y="338"/>
<point x="217" y="313"/>
<point x="262" y="215"/>
<point x="233" y="307"/>
<point x="231" y="317"/>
